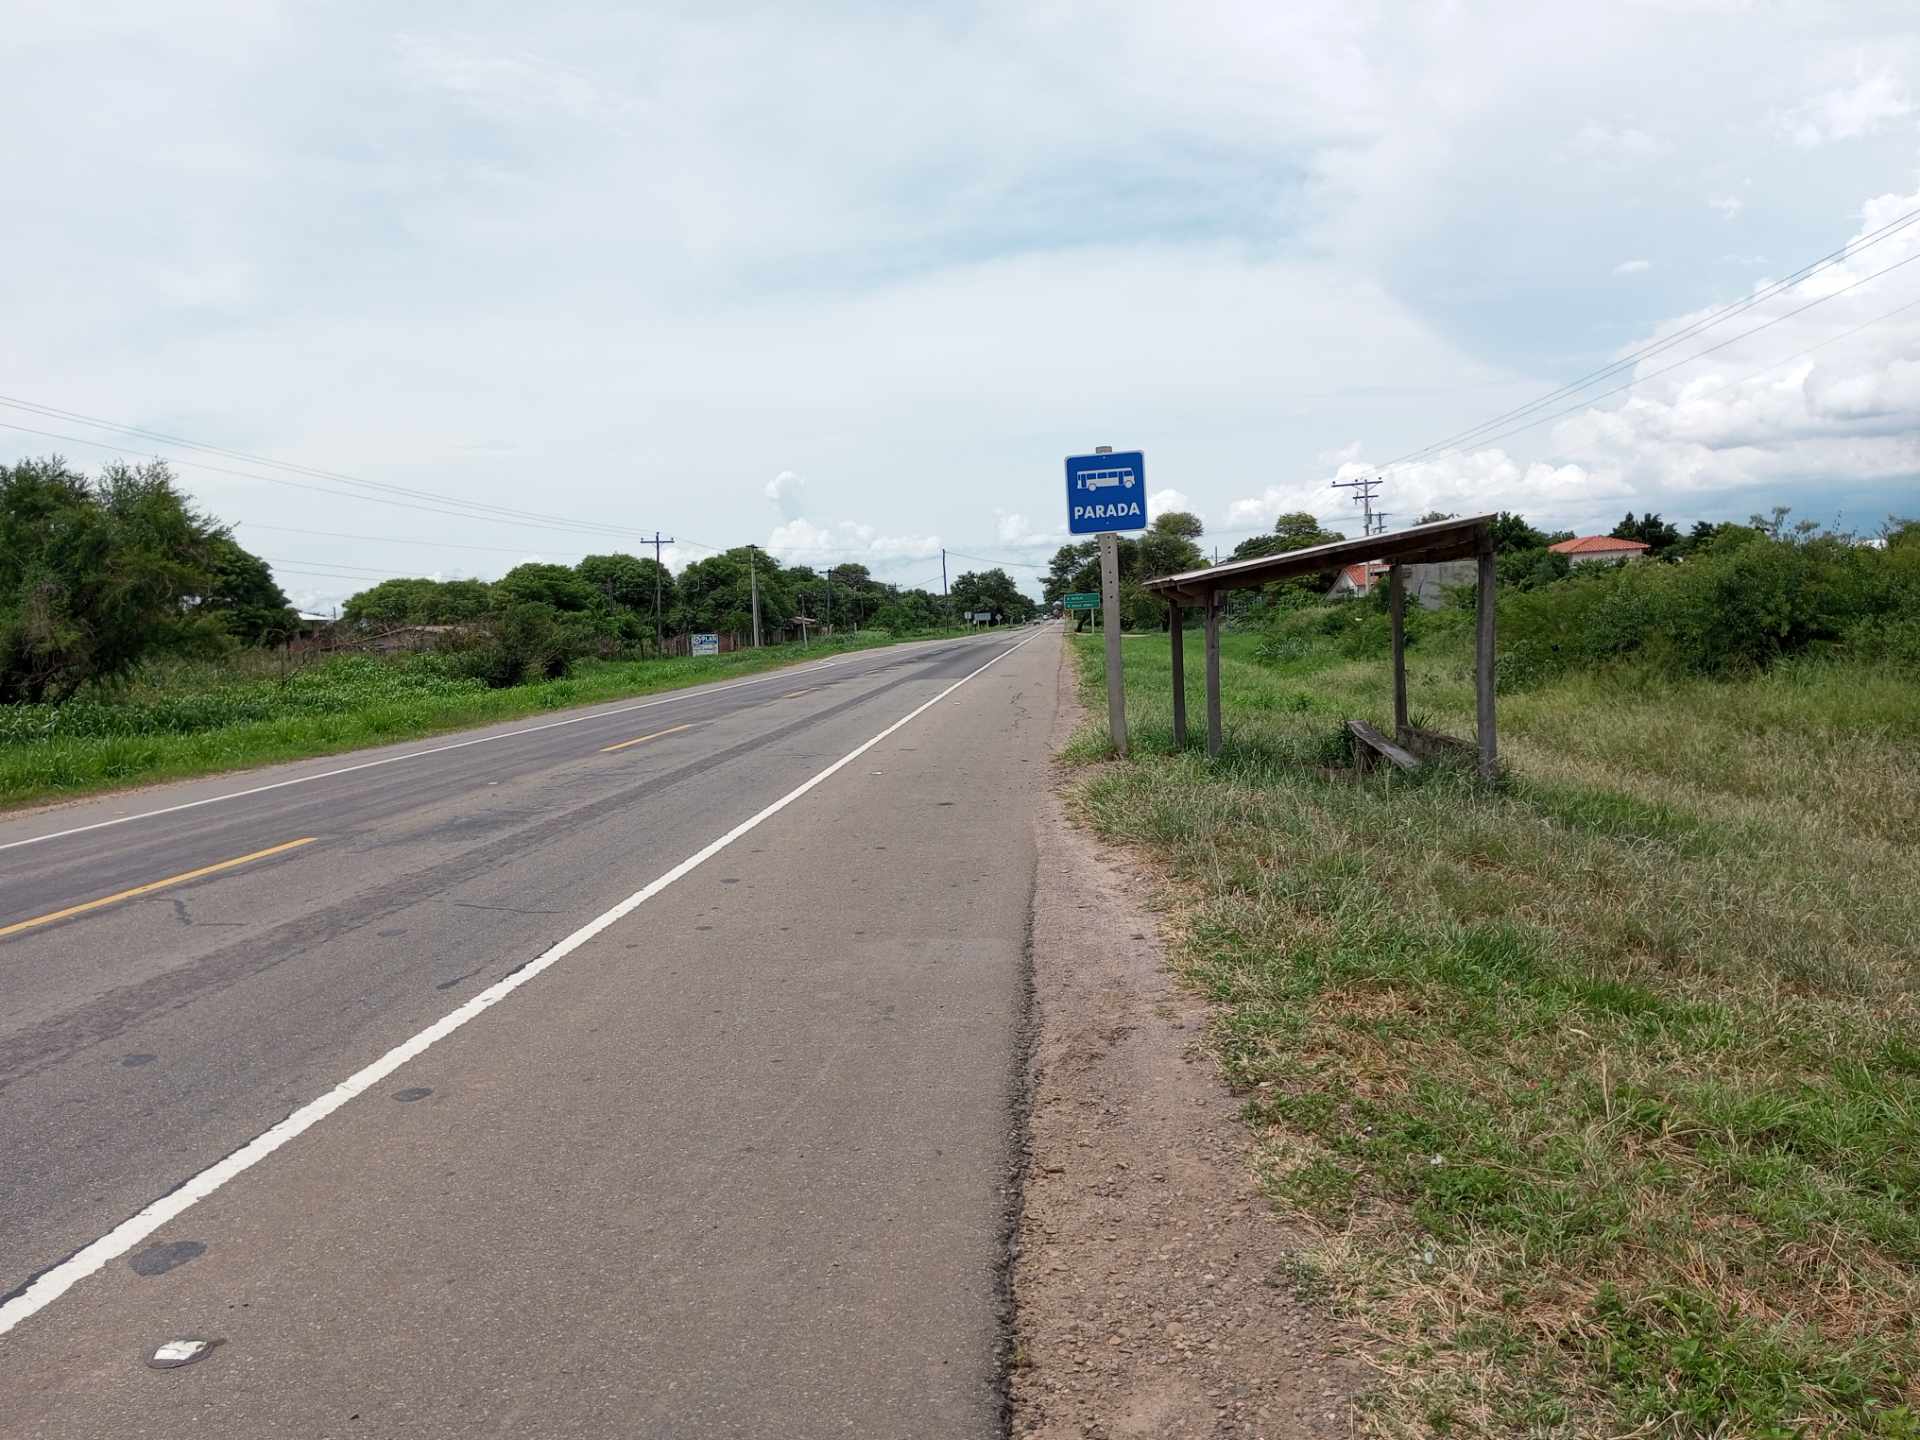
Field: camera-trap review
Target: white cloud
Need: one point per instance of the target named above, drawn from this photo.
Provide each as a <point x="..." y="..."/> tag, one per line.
<point x="1863" y="106"/>
<point x="1620" y="145"/>
<point x="1829" y="398"/>
<point x="1161" y="501"/>
<point x="1013" y="531"/>
<point x="1258" y="512"/>
<point x="1633" y="267"/>
<point x="801" y="542"/>
<point x="521" y="83"/>
<point x="1729" y="206"/>
<point x="784" y="490"/>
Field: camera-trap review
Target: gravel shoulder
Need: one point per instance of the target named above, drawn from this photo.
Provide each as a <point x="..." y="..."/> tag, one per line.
<point x="1153" y="1283"/>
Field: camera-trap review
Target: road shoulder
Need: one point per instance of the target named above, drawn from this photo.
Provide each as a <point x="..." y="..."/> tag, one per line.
<point x="1153" y="1282"/>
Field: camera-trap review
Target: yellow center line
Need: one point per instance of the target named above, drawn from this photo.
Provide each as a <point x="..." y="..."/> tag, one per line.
<point x="20" y="925"/>
<point x="793" y="693"/>
<point x="638" y="739"/>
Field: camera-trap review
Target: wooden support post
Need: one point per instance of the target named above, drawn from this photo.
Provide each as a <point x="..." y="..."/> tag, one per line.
<point x="1177" y="616"/>
<point x="1213" y="673"/>
<point x="1397" y="609"/>
<point x="1483" y="666"/>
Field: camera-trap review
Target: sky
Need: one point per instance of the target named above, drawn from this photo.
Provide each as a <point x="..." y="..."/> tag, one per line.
<point x="848" y="281"/>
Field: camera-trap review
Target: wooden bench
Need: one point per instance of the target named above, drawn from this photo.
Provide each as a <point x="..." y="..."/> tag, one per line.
<point x="1370" y="747"/>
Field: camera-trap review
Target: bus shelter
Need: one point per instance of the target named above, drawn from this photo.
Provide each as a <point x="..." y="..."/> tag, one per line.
<point x="1469" y="538"/>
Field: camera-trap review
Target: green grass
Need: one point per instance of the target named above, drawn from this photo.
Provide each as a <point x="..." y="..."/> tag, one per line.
<point x="202" y="718"/>
<point x="1602" y="1083"/>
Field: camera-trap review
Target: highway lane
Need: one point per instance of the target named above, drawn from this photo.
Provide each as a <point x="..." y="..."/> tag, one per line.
<point x="144" y="1039"/>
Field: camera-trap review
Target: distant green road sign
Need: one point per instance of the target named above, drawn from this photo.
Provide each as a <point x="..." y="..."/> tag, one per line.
<point x="1081" y="600"/>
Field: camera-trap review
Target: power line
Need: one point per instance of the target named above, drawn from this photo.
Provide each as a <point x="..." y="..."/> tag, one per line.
<point x="401" y="540"/>
<point x="476" y="508"/>
<point x="1697" y="355"/>
<point x="355" y="569"/>
<point x="570" y="527"/>
<point x="1802" y="354"/>
<point x="1706" y="322"/>
<point x="983" y="560"/>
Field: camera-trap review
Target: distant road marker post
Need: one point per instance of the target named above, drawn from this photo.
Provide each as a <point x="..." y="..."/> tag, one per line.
<point x="1106" y="494"/>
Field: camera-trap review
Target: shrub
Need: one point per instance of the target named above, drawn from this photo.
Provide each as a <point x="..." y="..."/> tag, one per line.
<point x="1746" y="601"/>
<point x="345" y="684"/>
<point x="521" y="642"/>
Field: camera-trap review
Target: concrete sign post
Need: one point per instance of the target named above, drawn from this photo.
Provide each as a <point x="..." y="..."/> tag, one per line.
<point x="1107" y="493"/>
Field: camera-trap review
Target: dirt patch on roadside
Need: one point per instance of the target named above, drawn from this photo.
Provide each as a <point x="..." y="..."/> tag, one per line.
<point x="1154" y="1286"/>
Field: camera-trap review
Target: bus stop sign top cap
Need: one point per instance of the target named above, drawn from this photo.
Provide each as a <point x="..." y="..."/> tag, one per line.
<point x="1442" y="540"/>
<point x="1106" y="492"/>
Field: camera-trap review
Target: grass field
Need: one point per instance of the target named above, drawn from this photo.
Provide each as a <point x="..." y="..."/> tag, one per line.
<point x="199" y="718"/>
<point x="1601" y="1087"/>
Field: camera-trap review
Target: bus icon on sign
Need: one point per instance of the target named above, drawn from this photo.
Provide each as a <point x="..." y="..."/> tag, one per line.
<point x="1106" y="479"/>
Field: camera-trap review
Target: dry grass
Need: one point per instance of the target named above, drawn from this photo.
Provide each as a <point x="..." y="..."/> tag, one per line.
<point x="1603" y="1084"/>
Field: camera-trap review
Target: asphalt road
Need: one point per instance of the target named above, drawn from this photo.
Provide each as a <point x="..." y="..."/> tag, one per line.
<point x="735" y="1164"/>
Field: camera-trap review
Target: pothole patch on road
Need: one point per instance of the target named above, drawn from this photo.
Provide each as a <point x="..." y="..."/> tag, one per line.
<point x="412" y="1093"/>
<point x="158" y="1259"/>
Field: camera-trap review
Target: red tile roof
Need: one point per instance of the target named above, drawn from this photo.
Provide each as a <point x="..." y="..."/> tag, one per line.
<point x="1596" y="545"/>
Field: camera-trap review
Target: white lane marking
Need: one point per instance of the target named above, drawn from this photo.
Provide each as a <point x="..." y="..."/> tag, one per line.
<point x="785" y="673"/>
<point x="54" y="1283"/>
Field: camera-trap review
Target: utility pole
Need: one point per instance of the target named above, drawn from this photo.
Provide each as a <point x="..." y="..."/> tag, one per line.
<point x="753" y="576"/>
<point x="659" y="635"/>
<point x="946" y="601"/>
<point x="1366" y="491"/>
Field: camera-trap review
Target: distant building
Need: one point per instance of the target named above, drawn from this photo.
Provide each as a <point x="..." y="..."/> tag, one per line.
<point x="1427" y="583"/>
<point x="1357" y="579"/>
<point x="1593" y="549"/>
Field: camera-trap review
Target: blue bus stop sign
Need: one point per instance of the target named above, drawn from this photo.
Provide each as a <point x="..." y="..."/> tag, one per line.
<point x="1106" y="492"/>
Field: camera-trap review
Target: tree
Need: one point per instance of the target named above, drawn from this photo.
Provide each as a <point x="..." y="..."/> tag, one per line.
<point x="1295" y="530"/>
<point x="1073" y="569"/>
<point x="418" y="602"/>
<point x="717" y="593"/>
<point x="1650" y="530"/>
<point x="1775" y="526"/>
<point x="910" y="610"/>
<point x="628" y="581"/>
<point x="1168" y="548"/>
<point x="97" y="575"/>
<point x="1529" y="569"/>
<point x="1434" y="517"/>
<point x="991" y="590"/>
<point x="1512" y="532"/>
<point x="244" y="596"/>
<point x="857" y="596"/>
<point x="555" y="585"/>
<point x="1183" y="523"/>
<point x="1298" y="531"/>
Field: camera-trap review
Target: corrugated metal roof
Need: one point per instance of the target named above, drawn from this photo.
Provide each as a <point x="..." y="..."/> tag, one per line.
<point x="1442" y="540"/>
